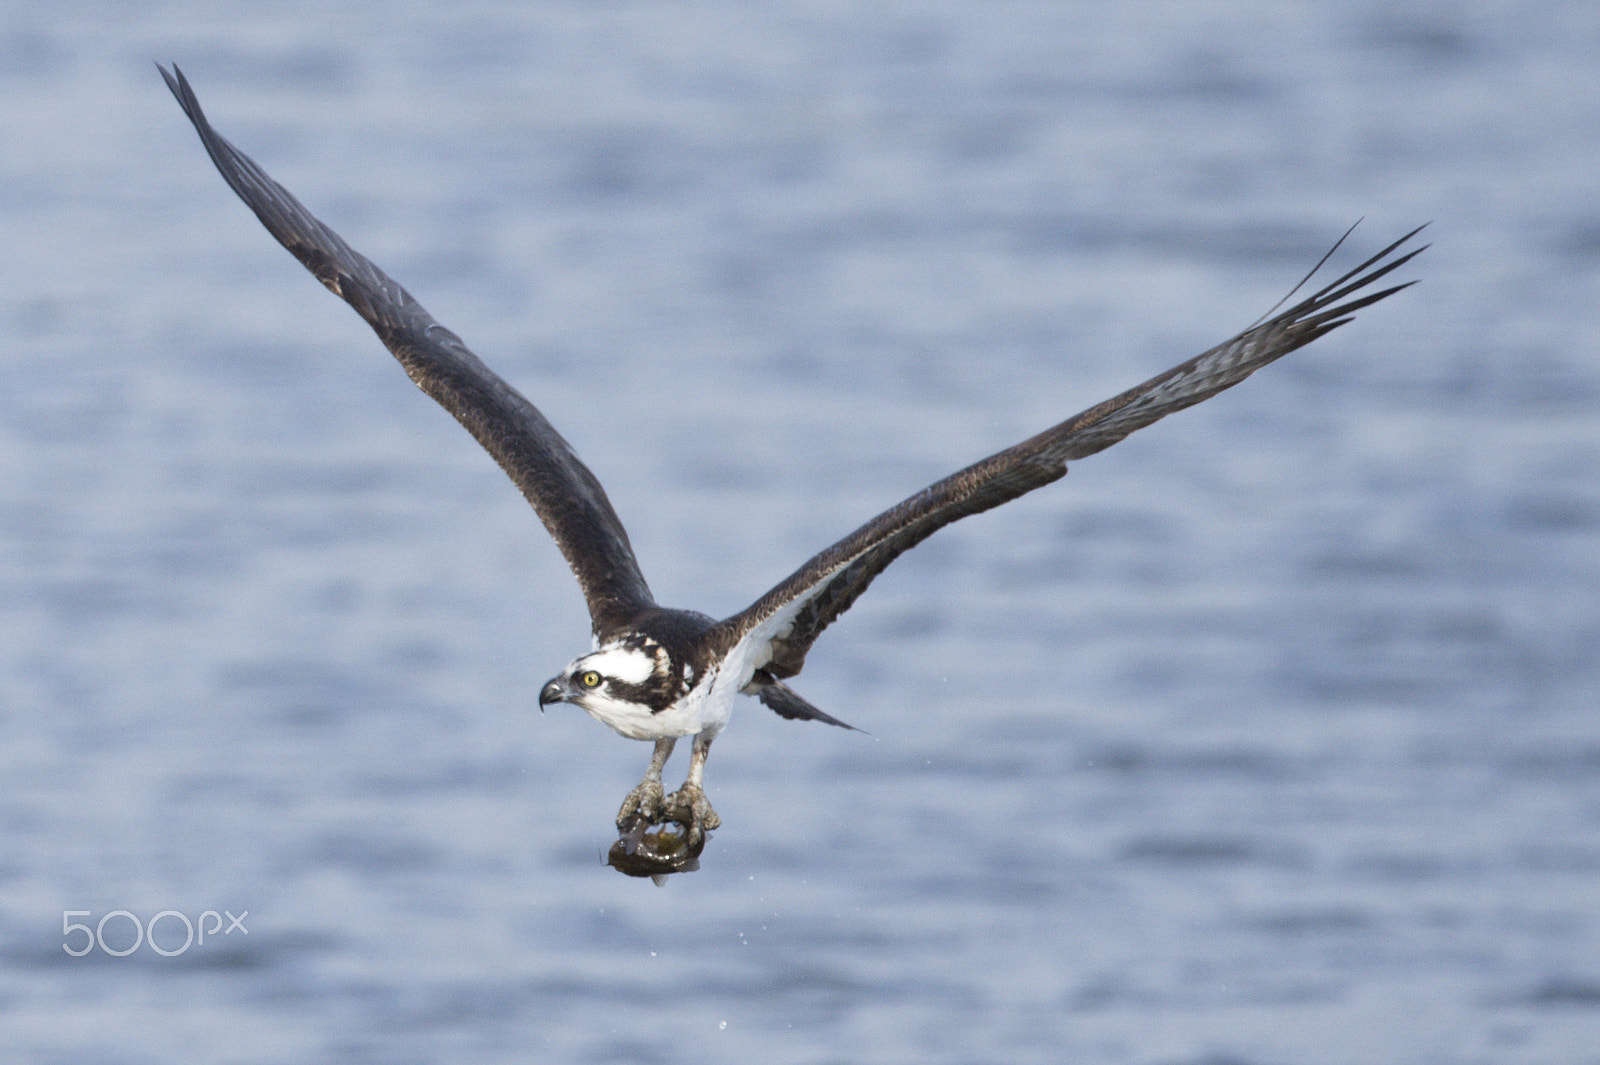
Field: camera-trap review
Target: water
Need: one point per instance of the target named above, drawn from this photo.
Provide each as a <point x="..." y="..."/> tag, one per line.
<point x="1267" y="736"/>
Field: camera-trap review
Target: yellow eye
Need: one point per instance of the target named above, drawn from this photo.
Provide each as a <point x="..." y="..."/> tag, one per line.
<point x="589" y="679"/>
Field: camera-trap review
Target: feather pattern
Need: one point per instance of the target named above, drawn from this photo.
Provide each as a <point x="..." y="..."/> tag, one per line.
<point x="565" y="494"/>
<point x="793" y="614"/>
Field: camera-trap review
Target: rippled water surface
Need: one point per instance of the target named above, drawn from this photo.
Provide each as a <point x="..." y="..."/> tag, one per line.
<point x="1267" y="736"/>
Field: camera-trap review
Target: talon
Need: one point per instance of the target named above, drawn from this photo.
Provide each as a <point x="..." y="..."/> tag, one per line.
<point x="689" y="807"/>
<point x="643" y="806"/>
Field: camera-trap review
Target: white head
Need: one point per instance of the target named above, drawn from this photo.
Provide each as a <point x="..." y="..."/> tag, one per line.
<point x="627" y="684"/>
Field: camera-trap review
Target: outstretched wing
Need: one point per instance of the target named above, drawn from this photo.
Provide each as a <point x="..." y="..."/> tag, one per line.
<point x="567" y="497"/>
<point x="775" y="632"/>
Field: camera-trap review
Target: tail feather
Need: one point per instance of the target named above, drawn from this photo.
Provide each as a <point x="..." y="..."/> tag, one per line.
<point x="786" y="702"/>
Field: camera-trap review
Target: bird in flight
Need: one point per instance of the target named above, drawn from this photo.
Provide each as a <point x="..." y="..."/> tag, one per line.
<point x="660" y="673"/>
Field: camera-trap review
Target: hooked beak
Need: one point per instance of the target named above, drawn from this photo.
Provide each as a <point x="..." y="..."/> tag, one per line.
<point x="554" y="692"/>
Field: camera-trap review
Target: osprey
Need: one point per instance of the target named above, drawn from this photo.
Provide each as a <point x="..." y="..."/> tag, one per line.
<point x="658" y="673"/>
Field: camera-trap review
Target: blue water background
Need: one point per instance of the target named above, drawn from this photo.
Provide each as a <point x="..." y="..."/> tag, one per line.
<point x="1268" y="736"/>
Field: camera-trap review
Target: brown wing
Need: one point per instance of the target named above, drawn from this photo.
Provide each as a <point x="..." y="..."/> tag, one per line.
<point x="791" y="616"/>
<point x="567" y="497"/>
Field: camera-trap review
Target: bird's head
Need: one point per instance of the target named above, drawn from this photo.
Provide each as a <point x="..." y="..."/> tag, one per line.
<point x="624" y="684"/>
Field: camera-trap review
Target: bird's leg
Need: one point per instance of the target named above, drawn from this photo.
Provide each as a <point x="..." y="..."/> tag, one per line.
<point x="688" y="805"/>
<point x="644" y="803"/>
